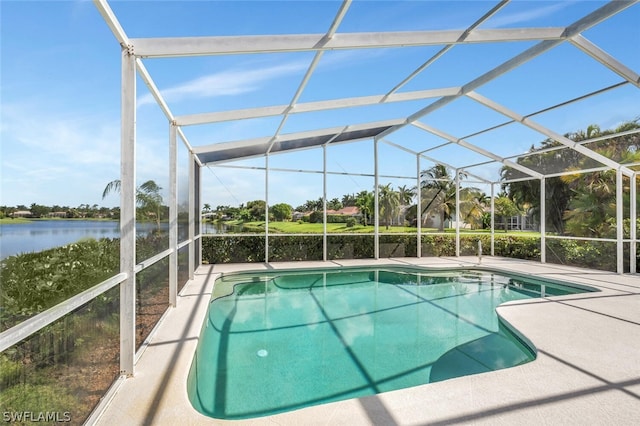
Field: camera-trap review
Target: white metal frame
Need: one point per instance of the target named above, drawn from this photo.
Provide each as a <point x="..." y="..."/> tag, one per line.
<point x="137" y="49"/>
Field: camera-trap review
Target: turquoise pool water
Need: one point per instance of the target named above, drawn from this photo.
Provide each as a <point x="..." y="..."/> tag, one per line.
<point x="279" y="341"/>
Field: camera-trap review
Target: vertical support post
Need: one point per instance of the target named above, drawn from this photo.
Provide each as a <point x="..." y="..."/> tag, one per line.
<point x="493" y="219"/>
<point x="457" y="212"/>
<point x="376" y="204"/>
<point x="266" y="208"/>
<point x="324" y="202"/>
<point x="173" y="216"/>
<point x="418" y="208"/>
<point x="619" y="223"/>
<point x="192" y="208"/>
<point x="633" y="211"/>
<point x="198" y="213"/>
<point x="128" y="214"/>
<point x="543" y="220"/>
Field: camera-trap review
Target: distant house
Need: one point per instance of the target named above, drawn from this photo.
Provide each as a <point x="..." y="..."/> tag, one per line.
<point x="523" y="223"/>
<point x="57" y="214"/>
<point x="299" y="215"/>
<point x="345" y="211"/>
<point x="352" y="211"/>
<point x="21" y="213"/>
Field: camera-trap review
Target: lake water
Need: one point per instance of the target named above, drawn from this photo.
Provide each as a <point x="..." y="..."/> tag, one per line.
<point x="45" y="234"/>
<point x="219" y="228"/>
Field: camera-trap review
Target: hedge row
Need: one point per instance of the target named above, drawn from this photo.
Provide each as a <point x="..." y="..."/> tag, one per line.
<point x="239" y="249"/>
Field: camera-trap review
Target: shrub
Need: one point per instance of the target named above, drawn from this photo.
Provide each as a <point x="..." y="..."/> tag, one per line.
<point x="590" y="254"/>
<point x="316" y="217"/>
<point x="34" y="282"/>
<point x="295" y="247"/>
<point x="594" y="254"/>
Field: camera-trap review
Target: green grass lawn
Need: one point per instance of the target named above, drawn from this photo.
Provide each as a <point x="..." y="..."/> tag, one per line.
<point x="316" y="228"/>
<point x="8" y="220"/>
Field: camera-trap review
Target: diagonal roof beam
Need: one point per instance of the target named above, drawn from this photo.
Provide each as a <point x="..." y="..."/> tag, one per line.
<point x="605" y="59"/>
<point x="148" y="81"/>
<point x="503" y="68"/>
<point x="110" y="18"/>
<point x="549" y="133"/>
<point x="270" y="111"/>
<point x="232" y="45"/>
<point x="550" y="108"/>
<point x="433" y="160"/>
<point x="573" y="30"/>
<point x="112" y="21"/>
<point x="583" y="142"/>
<point x="314" y="63"/>
<point x="445" y="49"/>
<point x="478" y="150"/>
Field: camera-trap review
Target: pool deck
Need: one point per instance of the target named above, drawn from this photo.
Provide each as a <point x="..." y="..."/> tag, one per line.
<point x="587" y="369"/>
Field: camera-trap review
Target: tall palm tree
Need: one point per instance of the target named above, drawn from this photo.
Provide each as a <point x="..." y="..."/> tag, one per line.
<point x="406" y="195"/>
<point x="334" y="204"/>
<point x="148" y="197"/>
<point x="365" y="203"/>
<point x="473" y="202"/>
<point x="349" y="200"/>
<point x="578" y="201"/>
<point x="438" y="190"/>
<point x="591" y="209"/>
<point x="389" y="203"/>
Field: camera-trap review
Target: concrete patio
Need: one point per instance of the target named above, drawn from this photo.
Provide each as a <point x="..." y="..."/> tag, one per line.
<point x="587" y="369"/>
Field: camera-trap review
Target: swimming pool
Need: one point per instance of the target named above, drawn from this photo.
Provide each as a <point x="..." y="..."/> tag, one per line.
<point x="281" y="340"/>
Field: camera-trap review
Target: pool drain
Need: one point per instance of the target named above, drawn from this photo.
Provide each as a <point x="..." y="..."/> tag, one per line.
<point x="262" y="353"/>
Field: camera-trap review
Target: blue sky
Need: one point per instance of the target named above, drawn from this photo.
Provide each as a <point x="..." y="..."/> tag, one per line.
<point x="60" y="91"/>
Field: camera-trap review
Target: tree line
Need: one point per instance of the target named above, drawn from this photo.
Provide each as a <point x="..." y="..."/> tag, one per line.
<point x="579" y="204"/>
<point x="149" y="206"/>
<point x="42" y="211"/>
<point x="396" y="205"/>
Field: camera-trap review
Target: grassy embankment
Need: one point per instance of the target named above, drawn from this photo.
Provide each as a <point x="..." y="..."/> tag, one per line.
<point x="10" y="220"/>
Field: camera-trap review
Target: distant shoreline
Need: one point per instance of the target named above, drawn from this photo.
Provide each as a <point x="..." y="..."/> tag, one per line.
<point x="23" y="220"/>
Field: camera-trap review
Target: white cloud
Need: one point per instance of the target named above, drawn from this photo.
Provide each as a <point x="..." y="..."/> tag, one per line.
<point x="226" y="83"/>
<point x="54" y="158"/>
<point x="74" y="138"/>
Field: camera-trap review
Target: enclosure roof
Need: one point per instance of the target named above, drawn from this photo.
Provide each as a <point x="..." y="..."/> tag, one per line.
<point x="506" y="74"/>
<point x="258" y="147"/>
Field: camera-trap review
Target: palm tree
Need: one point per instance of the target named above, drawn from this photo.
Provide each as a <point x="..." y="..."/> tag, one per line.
<point x="557" y="192"/>
<point x="348" y="200"/>
<point x="406" y="195"/>
<point x="439" y="189"/>
<point x="591" y="210"/>
<point x="365" y="203"/>
<point x="389" y="203"/>
<point x="148" y="197"/>
<point x="472" y="206"/>
<point x="578" y="201"/>
<point x="334" y="204"/>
